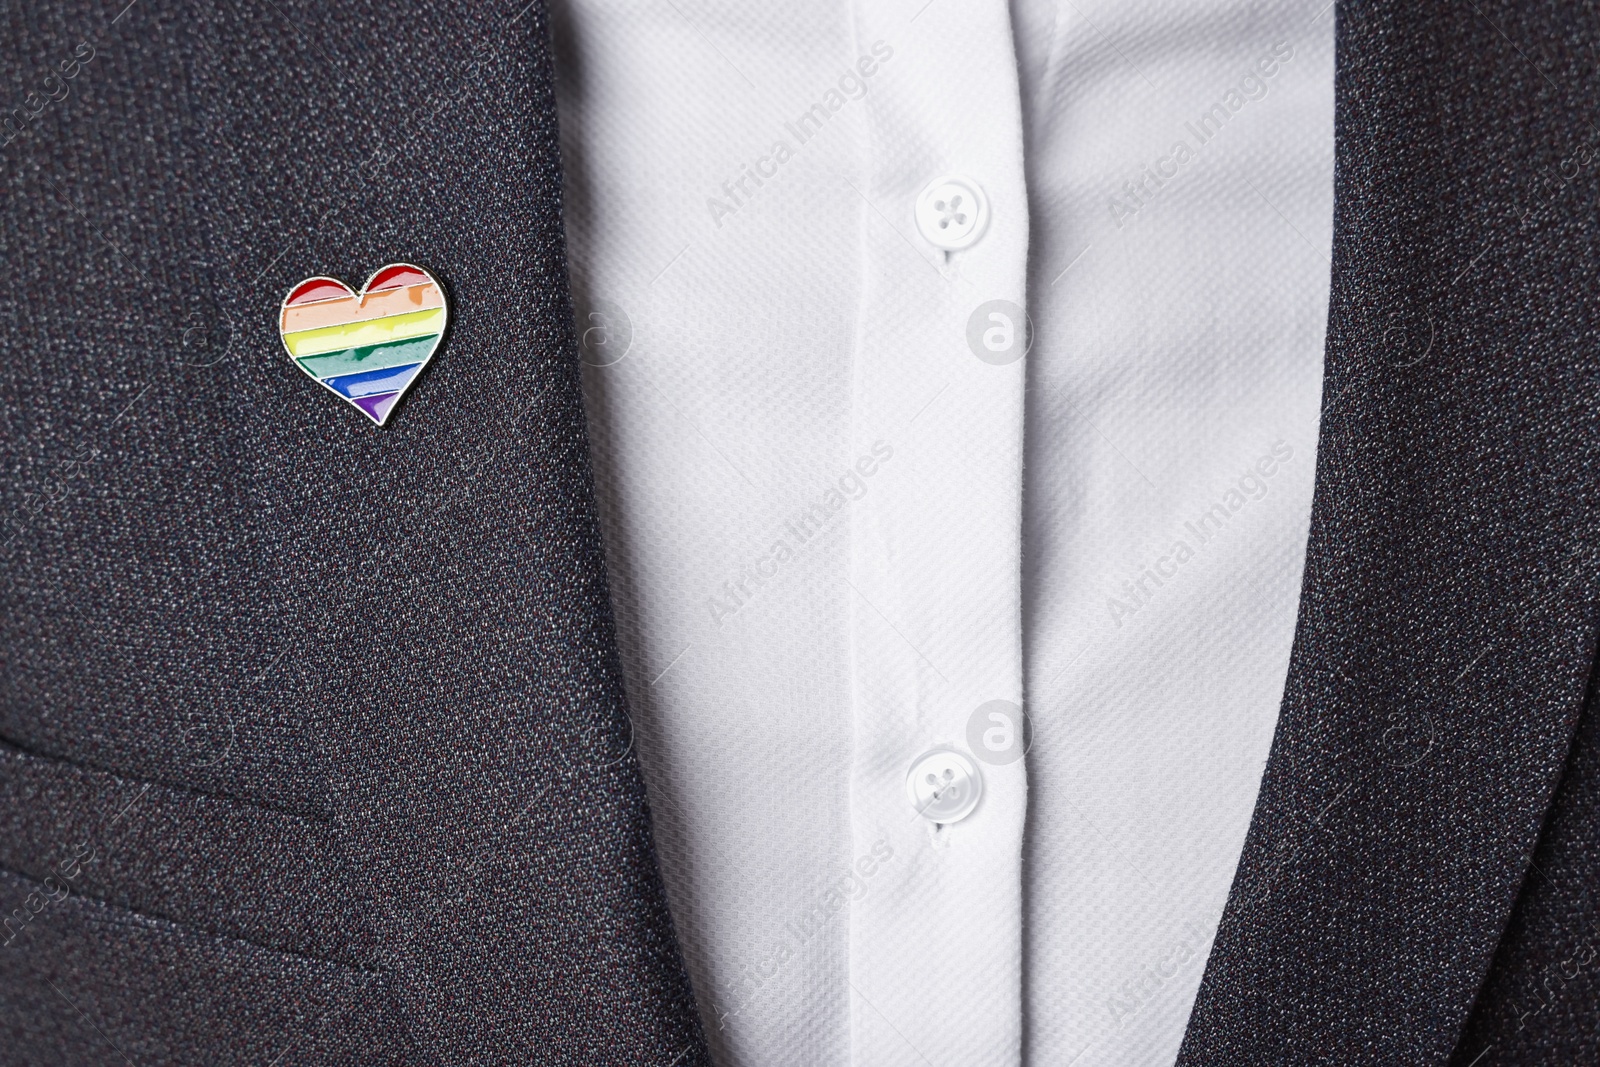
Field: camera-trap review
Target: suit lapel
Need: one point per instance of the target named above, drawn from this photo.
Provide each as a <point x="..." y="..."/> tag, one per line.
<point x="439" y="582"/>
<point x="1447" y="622"/>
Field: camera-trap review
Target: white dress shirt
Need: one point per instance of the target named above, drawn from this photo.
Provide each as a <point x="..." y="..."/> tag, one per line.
<point x="860" y="513"/>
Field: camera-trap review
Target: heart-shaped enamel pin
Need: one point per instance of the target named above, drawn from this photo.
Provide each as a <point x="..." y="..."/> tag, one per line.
<point x="367" y="347"/>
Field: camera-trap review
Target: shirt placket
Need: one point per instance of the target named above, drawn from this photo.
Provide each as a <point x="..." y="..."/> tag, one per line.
<point x="936" y="671"/>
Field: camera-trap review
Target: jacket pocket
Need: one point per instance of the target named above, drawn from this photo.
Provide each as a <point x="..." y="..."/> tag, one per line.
<point x="83" y="981"/>
<point x="222" y="866"/>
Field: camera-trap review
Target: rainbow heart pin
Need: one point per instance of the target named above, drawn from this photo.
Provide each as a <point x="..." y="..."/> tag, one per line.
<point x="366" y="347"/>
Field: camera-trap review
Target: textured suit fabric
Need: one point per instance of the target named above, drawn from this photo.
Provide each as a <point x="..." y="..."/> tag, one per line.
<point x="315" y="745"/>
<point x="1391" y="906"/>
<point x="1541" y="1002"/>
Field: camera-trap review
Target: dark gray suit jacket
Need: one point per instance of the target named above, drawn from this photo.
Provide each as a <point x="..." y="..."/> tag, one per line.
<point x="313" y="744"/>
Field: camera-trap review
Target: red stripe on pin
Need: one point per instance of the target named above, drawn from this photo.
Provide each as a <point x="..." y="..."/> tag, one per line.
<point x="317" y="289"/>
<point x="393" y="277"/>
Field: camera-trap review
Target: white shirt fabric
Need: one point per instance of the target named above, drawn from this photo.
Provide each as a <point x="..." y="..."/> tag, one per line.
<point x="841" y="524"/>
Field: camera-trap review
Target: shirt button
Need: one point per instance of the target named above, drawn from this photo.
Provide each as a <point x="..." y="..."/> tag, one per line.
<point x="952" y="213"/>
<point x="944" y="785"/>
